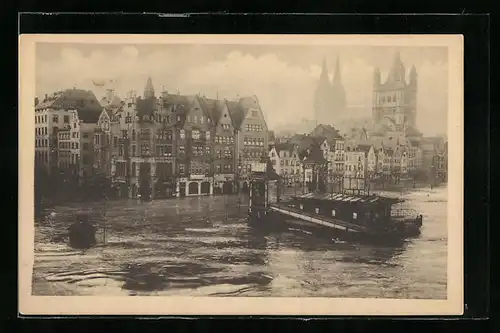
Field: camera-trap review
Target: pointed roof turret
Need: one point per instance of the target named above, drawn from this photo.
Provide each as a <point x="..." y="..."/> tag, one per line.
<point x="397" y="72"/>
<point x="338" y="93"/>
<point x="413" y="74"/>
<point x="149" y="90"/>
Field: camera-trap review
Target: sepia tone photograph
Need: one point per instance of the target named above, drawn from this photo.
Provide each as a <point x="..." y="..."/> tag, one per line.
<point x="213" y="174"/>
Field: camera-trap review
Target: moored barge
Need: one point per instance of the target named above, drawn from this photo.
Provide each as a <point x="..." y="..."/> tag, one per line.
<point x="350" y="217"/>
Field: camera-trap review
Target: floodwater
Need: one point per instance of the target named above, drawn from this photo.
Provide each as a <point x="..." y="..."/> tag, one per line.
<point x="202" y="246"/>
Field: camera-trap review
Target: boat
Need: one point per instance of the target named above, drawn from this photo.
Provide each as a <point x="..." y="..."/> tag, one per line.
<point x="350" y="217"/>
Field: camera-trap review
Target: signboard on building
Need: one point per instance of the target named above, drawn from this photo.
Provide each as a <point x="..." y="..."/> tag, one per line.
<point x="197" y="176"/>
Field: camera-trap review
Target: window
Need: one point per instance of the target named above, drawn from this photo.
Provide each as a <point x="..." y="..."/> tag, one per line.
<point x="354" y="216"/>
<point x="197" y="150"/>
<point x="163" y="150"/>
<point x="226" y="127"/>
<point x="218" y="168"/>
<point x="202" y="119"/>
<point x="133" y="150"/>
<point x="228" y="154"/>
<point x="207" y="135"/>
<point x="208" y="150"/>
<point x="182" y="134"/>
<point x="115" y="142"/>
<point x="145" y="149"/>
<point x="74" y="125"/>
<point x="55" y="119"/>
<point x="145" y="134"/>
<point x="182" y="151"/>
<point x="301" y="207"/>
<point x="255" y="114"/>
<point x="85" y="159"/>
<point x="133" y="170"/>
<point x="195" y="134"/>
<point x="133" y="135"/>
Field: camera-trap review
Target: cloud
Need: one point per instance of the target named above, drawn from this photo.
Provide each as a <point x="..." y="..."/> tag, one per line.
<point x="285" y="90"/>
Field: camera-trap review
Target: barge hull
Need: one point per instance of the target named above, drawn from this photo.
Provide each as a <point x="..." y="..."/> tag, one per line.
<point x="275" y="220"/>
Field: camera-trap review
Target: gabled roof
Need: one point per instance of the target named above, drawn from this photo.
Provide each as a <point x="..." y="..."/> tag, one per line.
<point x="89" y="116"/>
<point x="412" y="131"/>
<point x="71" y="99"/>
<point x="315" y="156"/>
<point x="146" y="106"/>
<point x="284" y="146"/>
<point x="212" y="108"/>
<point x="114" y="102"/>
<point x="364" y="148"/>
<point x="174" y="99"/>
<point x="237" y="113"/>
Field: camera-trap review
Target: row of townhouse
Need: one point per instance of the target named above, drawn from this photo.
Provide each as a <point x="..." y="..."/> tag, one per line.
<point x="177" y="145"/>
<point x="346" y="157"/>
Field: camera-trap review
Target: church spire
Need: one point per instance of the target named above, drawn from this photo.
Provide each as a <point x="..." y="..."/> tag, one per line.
<point x="337" y="76"/>
<point x="149" y="90"/>
<point x="397" y="72"/>
<point x="324" y="72"/>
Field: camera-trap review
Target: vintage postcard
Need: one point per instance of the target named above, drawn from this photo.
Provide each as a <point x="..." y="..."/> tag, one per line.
<point x="241" y="174"/>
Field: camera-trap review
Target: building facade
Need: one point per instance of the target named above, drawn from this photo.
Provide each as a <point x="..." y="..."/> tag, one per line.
<point x="251" y="135"/>
<point x="56" y="113"/>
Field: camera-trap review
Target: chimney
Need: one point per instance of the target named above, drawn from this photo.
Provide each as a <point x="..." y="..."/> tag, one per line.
<point x="36" y="101"/>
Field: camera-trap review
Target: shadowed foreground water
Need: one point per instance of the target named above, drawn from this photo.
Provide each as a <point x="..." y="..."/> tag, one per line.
<point x="203" y="247"/>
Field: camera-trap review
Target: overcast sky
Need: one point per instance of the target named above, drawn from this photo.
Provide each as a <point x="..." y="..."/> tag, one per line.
<point x="283" y="77"/>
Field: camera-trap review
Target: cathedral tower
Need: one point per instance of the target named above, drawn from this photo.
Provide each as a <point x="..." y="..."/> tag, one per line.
<point x="338" y="92"/>
<point x="329" y="97"/>
<point x="322" y="98"/>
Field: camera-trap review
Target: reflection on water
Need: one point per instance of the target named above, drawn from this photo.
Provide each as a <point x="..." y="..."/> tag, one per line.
<point x="203" y="246"/>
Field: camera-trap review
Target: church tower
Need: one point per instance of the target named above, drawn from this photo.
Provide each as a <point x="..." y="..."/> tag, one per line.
<point x="338" y="92"/>
<point x="412" y="97"/>
<point x="395" y="100"/>
<point x="322" y="98"/>
<point x="149" y="90"/>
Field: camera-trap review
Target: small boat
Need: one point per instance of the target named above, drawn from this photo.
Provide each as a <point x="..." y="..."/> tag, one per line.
<point x="353" y="217"/>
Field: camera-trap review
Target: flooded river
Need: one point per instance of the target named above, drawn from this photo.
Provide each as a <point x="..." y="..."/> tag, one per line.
<point x="202" y="246"/>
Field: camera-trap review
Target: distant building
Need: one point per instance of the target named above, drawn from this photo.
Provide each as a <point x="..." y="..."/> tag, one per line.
<point x="286" y="162"/>
<point x="395" y="101"/>
<point x="329" y="97"/>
